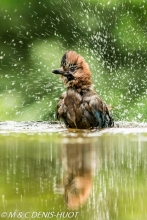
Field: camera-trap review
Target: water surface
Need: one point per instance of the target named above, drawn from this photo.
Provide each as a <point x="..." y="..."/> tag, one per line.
<point x="73" y="175"/>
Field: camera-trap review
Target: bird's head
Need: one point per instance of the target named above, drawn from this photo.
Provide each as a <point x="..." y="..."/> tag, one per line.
<point x="74" y="71"/>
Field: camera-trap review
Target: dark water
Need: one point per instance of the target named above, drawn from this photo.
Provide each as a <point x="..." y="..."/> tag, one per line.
<point x="73" y="176"/>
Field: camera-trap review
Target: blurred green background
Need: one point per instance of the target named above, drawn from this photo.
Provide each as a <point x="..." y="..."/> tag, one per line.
<point x="110" y="34"/>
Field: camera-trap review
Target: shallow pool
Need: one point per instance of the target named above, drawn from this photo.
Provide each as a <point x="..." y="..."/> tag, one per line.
<point x="73" y="175"/>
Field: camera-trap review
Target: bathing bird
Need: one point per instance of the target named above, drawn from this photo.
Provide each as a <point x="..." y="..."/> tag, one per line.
<point x="80" y="106"/>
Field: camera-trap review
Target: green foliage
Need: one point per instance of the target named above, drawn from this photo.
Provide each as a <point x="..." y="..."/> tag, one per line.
<point x="111" y="35"/>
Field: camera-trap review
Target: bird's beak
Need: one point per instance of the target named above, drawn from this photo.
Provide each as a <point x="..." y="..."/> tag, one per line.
<point x="58" y="71"/>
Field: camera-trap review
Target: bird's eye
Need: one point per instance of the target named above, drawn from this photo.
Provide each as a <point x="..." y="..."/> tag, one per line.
<point x="72" y="69"/>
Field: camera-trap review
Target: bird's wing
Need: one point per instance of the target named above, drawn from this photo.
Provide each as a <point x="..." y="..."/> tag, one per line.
<point x="99" y="110"/>
<point x="61" y="106"/>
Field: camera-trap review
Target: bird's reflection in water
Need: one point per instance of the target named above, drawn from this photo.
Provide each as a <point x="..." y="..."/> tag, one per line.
<point x="78" y="164"/>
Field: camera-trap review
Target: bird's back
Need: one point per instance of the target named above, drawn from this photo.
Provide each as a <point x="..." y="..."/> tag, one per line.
<point x="83" y="110"/>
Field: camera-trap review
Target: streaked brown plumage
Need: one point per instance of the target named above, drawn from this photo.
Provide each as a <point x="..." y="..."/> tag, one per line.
<point x="80" y="106"/>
